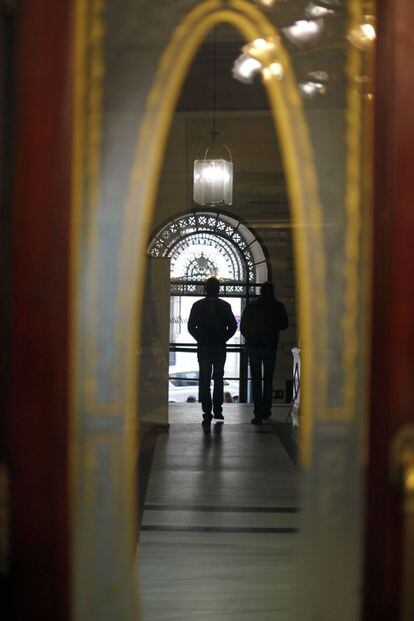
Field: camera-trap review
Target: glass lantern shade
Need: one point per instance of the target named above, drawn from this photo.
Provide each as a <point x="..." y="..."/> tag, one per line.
<point x="213" y="182"/>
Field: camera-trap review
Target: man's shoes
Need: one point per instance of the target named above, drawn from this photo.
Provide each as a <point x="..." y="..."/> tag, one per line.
<point x="267" y="415"/>
<point x="257" y="421"/>
<point x="206" y="422"/>
<point x="219" y="416"/>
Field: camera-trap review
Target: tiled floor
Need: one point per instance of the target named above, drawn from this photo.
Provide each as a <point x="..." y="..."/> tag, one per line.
<point x="220" y="520"/>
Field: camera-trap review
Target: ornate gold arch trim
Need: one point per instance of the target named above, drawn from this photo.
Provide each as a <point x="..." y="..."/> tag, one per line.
<point x="290" y="124"/>
<point x="117" y="454"/>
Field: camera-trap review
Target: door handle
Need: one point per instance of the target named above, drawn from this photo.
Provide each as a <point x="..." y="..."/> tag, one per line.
<point x="402" y="472"/>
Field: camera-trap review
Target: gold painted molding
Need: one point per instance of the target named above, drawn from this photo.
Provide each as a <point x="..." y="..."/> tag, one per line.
<point x="293" y="134"/>
<point x="356" y="274"/>
<point x="290" y="123"/>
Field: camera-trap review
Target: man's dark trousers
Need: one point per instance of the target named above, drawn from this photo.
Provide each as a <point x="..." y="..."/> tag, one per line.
<point x="262" y="381"/>
<point x="211" y="360"/>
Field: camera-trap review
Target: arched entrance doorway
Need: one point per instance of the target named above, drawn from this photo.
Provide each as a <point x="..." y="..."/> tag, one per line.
<point x="107" y="259"/>
<point x="199" y="245"/>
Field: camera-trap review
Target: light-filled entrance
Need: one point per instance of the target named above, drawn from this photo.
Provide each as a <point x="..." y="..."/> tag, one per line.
<point x="200" y="245"/>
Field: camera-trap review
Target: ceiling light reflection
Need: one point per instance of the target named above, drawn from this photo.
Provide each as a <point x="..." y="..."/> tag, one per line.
<point x="316" y="10"/>
<point x="245" y="68"/>
<point x="266" y="2"/>
<point x="319" y="75"/>
<point x="259" y="48"/>
<point x="304" y="30"/>
<point x="369" y="31"/>
<point x="273" y="70"/>
<point x="309" y="89"/>
<point x="364" y="35"/>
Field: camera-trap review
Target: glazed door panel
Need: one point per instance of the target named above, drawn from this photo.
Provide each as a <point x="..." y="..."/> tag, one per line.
<point x="108" y="227"/>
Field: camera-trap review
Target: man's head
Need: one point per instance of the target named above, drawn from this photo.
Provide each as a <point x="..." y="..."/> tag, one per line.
<point x="212" y="287"/>
<point x="267" y="290"/>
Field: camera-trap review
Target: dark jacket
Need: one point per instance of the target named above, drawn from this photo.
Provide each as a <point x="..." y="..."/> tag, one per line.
<point x="261" y="321"/>
<point x="211" y="322"/>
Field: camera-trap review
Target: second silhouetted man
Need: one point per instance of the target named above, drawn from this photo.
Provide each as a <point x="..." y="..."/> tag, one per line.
<point x="212" y="324"/>
<point x="260" y="324"/>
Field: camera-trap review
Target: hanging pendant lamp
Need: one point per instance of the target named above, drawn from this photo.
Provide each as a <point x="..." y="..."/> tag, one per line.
<point x="213" y="177"/>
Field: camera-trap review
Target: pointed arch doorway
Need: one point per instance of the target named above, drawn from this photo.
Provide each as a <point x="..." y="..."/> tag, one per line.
<point x="106" y="307"/>
<point x="200" y="245"/>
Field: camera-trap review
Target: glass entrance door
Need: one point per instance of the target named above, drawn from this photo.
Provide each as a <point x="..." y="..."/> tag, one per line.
<point x="183" y="364"/>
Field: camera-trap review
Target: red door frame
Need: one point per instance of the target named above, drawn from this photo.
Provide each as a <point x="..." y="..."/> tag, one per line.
<point x="392" y="381"/>
<point x="39" y="345"/>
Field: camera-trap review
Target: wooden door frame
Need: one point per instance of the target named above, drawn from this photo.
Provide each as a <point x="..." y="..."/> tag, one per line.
<point x="37" y="409"/>
<point x="37" y="406"/>
<point x="7" y="104"/>
<point x="392" y="387"/>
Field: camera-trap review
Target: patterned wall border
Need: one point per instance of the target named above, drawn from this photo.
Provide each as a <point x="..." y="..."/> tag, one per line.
<point x="103" y="435"/>
<point x="88" y="132"/>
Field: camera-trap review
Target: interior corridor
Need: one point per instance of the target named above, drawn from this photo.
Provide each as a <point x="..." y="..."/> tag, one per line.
<point x="220" y="521"/>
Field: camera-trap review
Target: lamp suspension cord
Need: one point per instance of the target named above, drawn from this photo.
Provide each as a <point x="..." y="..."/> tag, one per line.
<point x="214" y="82"/>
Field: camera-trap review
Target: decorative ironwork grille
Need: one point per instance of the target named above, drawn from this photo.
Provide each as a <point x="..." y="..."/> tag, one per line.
<point x="204" y="244"/>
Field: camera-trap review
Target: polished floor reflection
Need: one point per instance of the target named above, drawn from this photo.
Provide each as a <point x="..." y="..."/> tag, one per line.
<point x="220" y="520"/>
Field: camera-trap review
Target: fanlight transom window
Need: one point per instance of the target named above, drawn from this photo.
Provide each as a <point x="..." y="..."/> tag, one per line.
<point x="202" y="244"/>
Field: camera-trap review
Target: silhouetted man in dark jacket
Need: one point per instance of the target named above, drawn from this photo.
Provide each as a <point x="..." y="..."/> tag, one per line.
<point x="212" y="324"/>
<point x="260" y="324"/>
